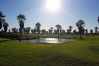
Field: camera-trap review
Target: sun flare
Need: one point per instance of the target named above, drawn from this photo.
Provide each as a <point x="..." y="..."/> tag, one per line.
<point x="53" y="5"/>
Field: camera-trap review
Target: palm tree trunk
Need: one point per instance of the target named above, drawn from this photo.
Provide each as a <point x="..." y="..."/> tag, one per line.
<point x="20" y="34"/>
<point x="58" y="35"/>
<point x="80" y="36"/>
<point x="38" y="35"/>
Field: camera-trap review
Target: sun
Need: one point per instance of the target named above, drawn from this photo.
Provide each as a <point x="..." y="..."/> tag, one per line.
<point x="53" y="5"/>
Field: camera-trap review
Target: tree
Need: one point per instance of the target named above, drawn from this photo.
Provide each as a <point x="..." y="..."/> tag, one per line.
<point x="43" y="31"/>
<point x="21" y="18"/>
<point x="14" y="30"/>
<point x="2" y="20"/>
<point x="67" y="31"/>
<point x="51" y="30"/>
<point x="35" y="30"/>
<point x="80" y="25"/>
<point x="70" y="29"/>
<point x="55" y="31"/>
<point x="24" y="30"/>
<point x="32" y="30"/>
<point x="96" y="30"/>
<point x="38" y="28"/>
<point x="74" y="32"/>
<point x="91" y="31"/>
<point x="62" y="31"/>
<point x="58" y="29"/>
<point x="28" y="30"/>
<point x="98" y="19"/>
<point x="86" y="31"/>
<point x="5" y="26"/>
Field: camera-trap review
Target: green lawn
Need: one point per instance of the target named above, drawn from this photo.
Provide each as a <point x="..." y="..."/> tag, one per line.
<point x="77" y="53"/>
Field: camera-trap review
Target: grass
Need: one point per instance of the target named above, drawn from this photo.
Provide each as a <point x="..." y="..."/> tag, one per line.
<point x="3" y="39"/>
<point x="78" y="53"/>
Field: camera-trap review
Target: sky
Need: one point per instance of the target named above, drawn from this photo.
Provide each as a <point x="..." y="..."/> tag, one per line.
<point x="68" y="14"/>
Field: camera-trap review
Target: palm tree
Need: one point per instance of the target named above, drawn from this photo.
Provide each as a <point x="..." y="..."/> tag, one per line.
<point x="44" y="31"/>
<point x="86" y="30"/>
<point x="70" y="28"/>
<point x="98" y="19"/>
<point x="21" y="19"/>
<point x="32" y="30"/>
<point x="27" y="30"/>
<point x="35" y="31"/>
<point x="38" y="28"/>
<point x="80" y="25"/>
<point x="58" y="29"/>
<point x="5" y="26"/>
<point x="2" y="20"/>
<point x="91" y="31"/>
<point x="74" y="31"/>
<point x="68" y="31"/>
<point x="51" y="30"/>
<point x="96" y="30"/>
<point x="14" y="30"/>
